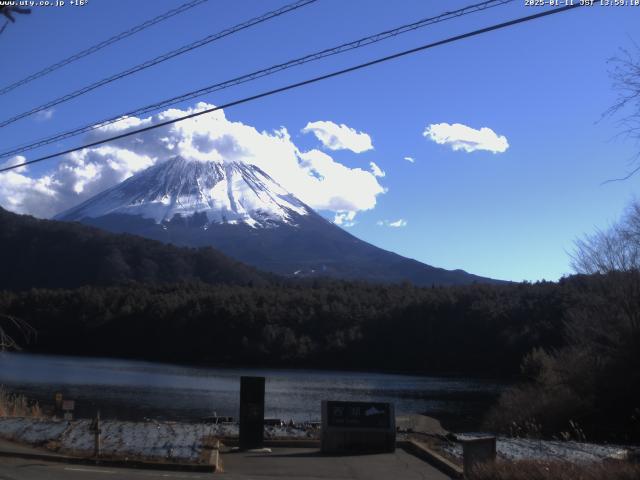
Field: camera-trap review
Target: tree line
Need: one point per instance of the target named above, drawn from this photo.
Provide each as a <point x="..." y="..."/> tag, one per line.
<point x="572" y="344"/>
<point x="480" y="329"/>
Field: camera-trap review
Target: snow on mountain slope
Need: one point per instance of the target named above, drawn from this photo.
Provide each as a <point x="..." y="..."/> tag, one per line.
<point x="240" y="210"/>
<point x="227" y="192"/>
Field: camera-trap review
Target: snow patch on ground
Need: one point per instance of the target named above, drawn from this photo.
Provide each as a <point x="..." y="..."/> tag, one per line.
<point x="168" y="441"/>
<point x="531" y="449"/>
<point x="151" y="440"/>
<point x="30" y="431"/>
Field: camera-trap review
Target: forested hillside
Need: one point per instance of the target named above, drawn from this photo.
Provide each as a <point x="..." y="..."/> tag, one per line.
<point x="480" y="329"/>
<point x="575" y="341"/>
<point x="43" y="253"/>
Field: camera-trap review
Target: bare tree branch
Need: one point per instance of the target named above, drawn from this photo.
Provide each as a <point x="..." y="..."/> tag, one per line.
<point x="9" y="322"/>
<point x="614" y="249"/>
<point x="625" y="74"/>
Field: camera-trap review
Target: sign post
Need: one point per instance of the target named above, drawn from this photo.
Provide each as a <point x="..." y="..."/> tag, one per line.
<point x="58" y="403"/>
<point x="68" y="406"/>
<point x="251" y="412"/>
<point x="97" y="431"/>
<point x="358" y="427"/>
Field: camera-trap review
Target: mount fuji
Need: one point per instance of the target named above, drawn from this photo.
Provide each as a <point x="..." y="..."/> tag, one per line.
<point x="240" y="210"/>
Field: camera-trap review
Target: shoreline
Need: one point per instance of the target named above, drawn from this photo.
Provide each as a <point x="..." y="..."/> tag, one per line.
<point x="139" y="389"/>
<point x="496" y="379"/>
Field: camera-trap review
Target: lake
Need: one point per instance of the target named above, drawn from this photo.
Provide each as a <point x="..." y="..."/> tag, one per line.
<point x="135" y="390"/>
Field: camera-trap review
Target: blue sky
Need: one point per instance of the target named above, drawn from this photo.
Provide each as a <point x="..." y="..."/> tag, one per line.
<point x="543" y="85"/>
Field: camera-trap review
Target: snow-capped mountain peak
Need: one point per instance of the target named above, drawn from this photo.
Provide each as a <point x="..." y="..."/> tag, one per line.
<point x="226" y="192"/>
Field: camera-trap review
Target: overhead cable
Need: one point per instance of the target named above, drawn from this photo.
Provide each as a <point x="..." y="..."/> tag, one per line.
<point x="99" y="46"/>
<point x="159" y="59"/>
<point x="345" y="47"/>
<point x="310" y="81"/>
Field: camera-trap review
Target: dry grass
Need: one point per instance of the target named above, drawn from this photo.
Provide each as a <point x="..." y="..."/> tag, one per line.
<point x="558" y="470"/>
<point x="14" y="405"/>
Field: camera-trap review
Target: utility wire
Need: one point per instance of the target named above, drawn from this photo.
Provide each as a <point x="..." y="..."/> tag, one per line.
<point x="305" y="82"/>
<point x="161" y="58"/>
<point x="362" y="42"/>
<point x="99" y="46"/>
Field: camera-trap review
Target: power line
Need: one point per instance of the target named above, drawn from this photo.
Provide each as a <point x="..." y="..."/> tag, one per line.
<point x="362" y="42"/>
<point x="262" y="73"/>
<point x="99" y="46"/>
<point x="305" y="82"/>
<point x="161" y="58"/>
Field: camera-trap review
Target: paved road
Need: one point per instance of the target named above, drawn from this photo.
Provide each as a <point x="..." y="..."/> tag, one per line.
<point x="303" y="464"/>
<point x="18" y="469"/>
<point x="7" y="446"/>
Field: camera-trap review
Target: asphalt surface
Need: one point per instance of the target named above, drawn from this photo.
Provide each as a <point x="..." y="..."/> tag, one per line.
<point x="303" y="464"/>
<point x="308" y="463"/>
<point x="18" y="469"/>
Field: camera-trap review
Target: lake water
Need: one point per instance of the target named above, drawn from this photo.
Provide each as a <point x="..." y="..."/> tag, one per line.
<point x="134" y="390"/>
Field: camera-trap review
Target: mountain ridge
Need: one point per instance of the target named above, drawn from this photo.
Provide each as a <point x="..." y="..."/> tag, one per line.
<point x="38" y="253"/>
<point x="227" y="192"/>
<point x="240" y="210"/>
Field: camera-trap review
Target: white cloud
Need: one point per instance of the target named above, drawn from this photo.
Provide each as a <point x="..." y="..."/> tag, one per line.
<point x="393" y="224"/>
<point x="376" y="170"/>
<point x="462" y="137"/>
<point x="329" y="185"/>
<point x="410" y="159"/>
<point x="398" y="223"/>
<point x="345" y="219"/>
<point x="22" y="194"/>
<point x="339" y="137"/>
<point x="44" y="115"/>
<point x="16" y="160"/>
<point x="313" y="176"/>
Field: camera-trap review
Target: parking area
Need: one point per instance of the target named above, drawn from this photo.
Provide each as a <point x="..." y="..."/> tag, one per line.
<point x="308" y="463"/>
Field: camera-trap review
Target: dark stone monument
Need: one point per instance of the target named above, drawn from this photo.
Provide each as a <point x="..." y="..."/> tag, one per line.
<point x="358" y="427"/>
<point x="251" y="412"/>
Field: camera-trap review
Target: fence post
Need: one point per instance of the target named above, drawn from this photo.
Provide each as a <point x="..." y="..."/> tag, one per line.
<point x="97" y="430"/>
